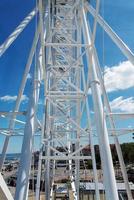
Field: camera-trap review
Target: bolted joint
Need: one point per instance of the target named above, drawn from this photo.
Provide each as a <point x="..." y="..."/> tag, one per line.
<point x="94" y="82"/>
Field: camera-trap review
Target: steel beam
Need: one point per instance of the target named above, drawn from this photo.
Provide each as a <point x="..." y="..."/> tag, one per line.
<point x="18" y="100"/>
<point x="16" y="32"/>
<point x="27" y="146"/>
<point x="5" y="193"/>
<point x="122" y="46"/>
<point x="112" y="123"/>
<point x="106" y="158"/>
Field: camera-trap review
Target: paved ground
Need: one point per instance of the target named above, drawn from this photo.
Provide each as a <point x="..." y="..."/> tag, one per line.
<point x="31" y="197"/>
<point x="43" y="198"/>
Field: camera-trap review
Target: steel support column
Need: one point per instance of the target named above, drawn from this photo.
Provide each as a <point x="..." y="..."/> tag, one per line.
<point x="106" y="158"/>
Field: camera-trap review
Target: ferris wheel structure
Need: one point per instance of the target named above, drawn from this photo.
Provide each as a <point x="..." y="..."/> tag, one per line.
<point x="68" y="68"/>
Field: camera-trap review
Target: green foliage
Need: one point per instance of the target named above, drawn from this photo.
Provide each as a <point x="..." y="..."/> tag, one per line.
<point x="89" y="164"/>
<point x="128" y="152"/>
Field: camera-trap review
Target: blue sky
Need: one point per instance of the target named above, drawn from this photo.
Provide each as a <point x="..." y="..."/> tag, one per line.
<point x="118" y="70"/>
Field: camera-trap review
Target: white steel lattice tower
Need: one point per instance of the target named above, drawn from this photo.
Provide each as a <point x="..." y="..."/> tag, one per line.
<point x="67" y="65"/>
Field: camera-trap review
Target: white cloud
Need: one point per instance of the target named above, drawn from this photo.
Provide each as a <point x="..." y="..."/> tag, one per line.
<point x="9" y="98"/>
<point x="119" y="77"/>
<point x="122" y="104"/>
<point x="29" y="76"/>
<point x="24" y="98"/>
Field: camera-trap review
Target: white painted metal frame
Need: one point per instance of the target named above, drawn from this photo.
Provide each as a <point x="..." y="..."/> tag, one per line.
<point x="66" y="98"/>
<point x="16" y="32"/>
